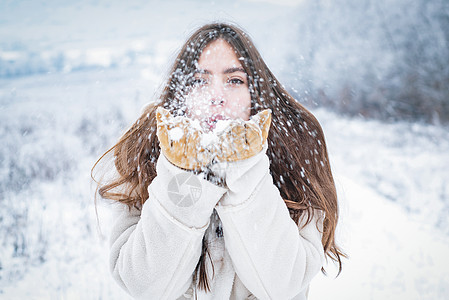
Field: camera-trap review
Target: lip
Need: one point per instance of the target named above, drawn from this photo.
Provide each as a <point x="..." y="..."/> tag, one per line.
<point x="210" y="122"/>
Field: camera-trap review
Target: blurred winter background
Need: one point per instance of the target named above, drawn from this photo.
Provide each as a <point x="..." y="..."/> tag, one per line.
<point x="75" y="74"/>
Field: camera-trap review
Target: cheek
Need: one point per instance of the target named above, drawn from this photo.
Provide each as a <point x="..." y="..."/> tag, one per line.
<point x="244" y="98"/>
<point x="241" y="103"/>
<point x="196" y="103"/>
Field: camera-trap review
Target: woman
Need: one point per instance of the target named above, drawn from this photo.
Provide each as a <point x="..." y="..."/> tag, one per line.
<point x="252" y="214"/>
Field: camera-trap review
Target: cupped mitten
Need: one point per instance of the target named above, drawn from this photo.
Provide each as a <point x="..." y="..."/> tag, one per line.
<point x="180" y="141"/>
<point x="244" y="139"/>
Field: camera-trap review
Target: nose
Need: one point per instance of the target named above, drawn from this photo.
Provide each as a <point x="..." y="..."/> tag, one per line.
<point x="217" y="94"/>
<point x="218" y="101"/>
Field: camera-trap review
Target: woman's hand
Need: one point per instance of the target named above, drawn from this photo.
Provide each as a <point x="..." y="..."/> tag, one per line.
<point x="180" y="141"/>
<point x="243" y="140"/>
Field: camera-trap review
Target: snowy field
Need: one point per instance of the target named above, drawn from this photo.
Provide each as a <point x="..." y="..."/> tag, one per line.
<point x="74" y="76"/>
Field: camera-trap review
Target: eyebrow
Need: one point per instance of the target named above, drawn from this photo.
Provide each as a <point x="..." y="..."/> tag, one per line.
<point x="226" y="71"/>
<point x="233" y="70"/>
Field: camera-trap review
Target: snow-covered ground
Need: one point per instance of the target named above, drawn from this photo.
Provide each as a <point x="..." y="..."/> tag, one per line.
<point x="72" y="81"/>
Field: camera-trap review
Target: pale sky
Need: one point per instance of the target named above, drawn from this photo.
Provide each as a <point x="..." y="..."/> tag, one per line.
<point x="281" y="2"/>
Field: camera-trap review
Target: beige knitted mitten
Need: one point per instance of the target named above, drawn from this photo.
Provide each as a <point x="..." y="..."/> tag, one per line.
<point x="186" y="145"/>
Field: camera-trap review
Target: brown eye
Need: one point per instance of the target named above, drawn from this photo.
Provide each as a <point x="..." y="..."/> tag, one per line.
<point x="196" y="82"/>
<point x="235" y="81"/>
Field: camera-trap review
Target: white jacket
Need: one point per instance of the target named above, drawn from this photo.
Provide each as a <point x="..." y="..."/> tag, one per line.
<point x="261" y="252"/>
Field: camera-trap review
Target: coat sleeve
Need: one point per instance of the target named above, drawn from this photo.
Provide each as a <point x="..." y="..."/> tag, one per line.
<point x="155" y="250"/>
<point x="273" y="256"/>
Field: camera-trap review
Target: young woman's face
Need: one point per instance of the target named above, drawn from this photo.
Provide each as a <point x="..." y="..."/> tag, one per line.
<point x="220" y="87"/>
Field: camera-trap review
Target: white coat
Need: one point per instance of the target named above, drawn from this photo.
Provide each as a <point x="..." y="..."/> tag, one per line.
<point x="258" y="252"/>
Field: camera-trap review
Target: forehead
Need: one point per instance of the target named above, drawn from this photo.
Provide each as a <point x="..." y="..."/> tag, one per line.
<point x="218" y="54"/>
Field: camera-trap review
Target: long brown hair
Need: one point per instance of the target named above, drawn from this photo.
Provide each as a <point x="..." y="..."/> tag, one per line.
<point x="299" y="162"/>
